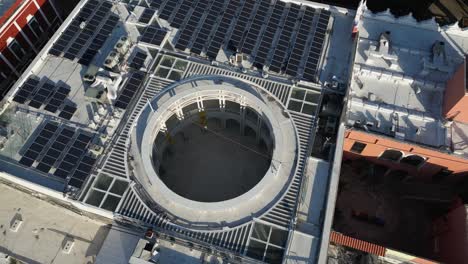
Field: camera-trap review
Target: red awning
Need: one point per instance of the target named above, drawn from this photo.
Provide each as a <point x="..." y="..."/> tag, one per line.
<point x="347" y="241"/>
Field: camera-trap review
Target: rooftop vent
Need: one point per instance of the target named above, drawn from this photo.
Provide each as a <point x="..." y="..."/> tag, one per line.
<point x="123" y="45"/>
<point x="384" y="49"/>
<point x="438" y="53"/>
<point x="82" y="25"/>
<point x="89" y="77"/>
<point x="384" y="43"/>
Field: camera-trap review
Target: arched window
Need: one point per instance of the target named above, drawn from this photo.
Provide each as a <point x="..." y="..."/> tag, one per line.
<point x="413" y="160"/>
<point x="392" y="155"/>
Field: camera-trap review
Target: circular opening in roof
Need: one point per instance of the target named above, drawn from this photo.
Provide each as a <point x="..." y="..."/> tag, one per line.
<point x="212" y="155"/>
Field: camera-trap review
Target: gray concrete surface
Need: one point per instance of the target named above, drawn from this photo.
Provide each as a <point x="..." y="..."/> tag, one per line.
<point x="44" y="230"/>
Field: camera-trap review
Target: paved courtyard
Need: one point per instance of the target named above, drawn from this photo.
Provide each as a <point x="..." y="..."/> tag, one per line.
<point x="213" y="165"/>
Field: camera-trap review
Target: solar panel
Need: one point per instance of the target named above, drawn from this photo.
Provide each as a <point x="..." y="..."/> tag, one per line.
<point x="43" y="167"/>
<point x="94" y="17"/>
<point x="168" y="9"/>
<point x="75" y="165"/>
<point x="99" y="40"/>
<point x="88" y="160"/>
<point x="73" y="155"/>
<point x="61" y="173"/>
<point x="315" y="52"/>
<point x="67" y="112"/>
<point x="73" y="28"/>
<point x="241" y="23"/>
<point x="53" y="153"/>
<point x="48" y="160"/>
<point x="31" y="154"/>
<point x="26" y="90"/>
<point x="181" y="13"/>
<point x="146" y="16"/>
<point x="130" y="88"/>
<point x="191" y="25"/>
<point x="297" y="53"/>
<point x="138" y="60"/>
<point x="279" y="61"/>
<point x="66" y="166"/>
<point x="26" y="161"/>
<point x="254" y="31"/>
<point x="80" y="175"/>
<point x="58" y="99"/>
<point x="75" y="183"/>
<point x="155" y="3"/>
<point x="153" y="35"/>
<point x="43" y="137"/>
<point x="36" y="147"/>
<point x="200" y="41"/>
<point x="41" y="140"/>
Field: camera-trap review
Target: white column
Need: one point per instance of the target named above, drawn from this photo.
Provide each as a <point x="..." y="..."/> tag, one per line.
<point x="55" y="10"/>
<point x="222" y="107"/>
<point x="9" y="64"/>
<point x="25" y="37"/>
<point x="242" y="120"/>
<point x="179" y="113"/>
<point x="259" y="130"/>
<point x="42" y="13"/>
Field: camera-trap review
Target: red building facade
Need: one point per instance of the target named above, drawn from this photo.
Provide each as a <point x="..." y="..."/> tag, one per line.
<point x="24" y="29"/>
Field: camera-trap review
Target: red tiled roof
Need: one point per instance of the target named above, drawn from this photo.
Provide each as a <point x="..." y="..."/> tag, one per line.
<point x="347" y="241"/>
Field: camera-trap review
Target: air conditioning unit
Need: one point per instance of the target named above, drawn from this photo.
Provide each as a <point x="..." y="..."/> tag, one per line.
<point x="112" y="60"/>
<point x="89" y="77"/>
<point x="123" y="45"/>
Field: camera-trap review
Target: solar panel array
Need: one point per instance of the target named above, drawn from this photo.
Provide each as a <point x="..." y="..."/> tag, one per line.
<point x="207" y="25"/>
<point x="300" y="42"/>
<point x="155" y="3"/>
<point x="84" y="43"/>
<point x="58" y="99"/>
<point x="67" y="112"/>
<point x="311" y="66"/>
<point x="26" y="90"/>
<point x="182" y="12"/>
<point x="168" y="9"/>
<point x="190" y="26"/>
<point x="269" y="34"/>
<point x="284" y="41"/>
<point x="138" y="60"/>
<point x="128" y="91"/>
<point x="220" y="34"/>
<point x="57" y="147"/>
<point x="38" y="145"/>
<point x="146" y="16"/>
<point x="250" y="39"/>
<point x="153" y="35"/>
<point x="279" y="35"/>
<point x="40" y="97"/>
<point x="76" y="164"/>
<point x="246" y="13"/>
<point x="37" y="94"/>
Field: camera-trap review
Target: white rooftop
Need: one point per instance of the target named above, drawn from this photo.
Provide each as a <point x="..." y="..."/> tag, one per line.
<point x="42" y="230"/>
<point x="399" y="75"/>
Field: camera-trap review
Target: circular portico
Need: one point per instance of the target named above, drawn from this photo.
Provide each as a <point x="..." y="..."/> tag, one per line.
<point x="214" y="151"/>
